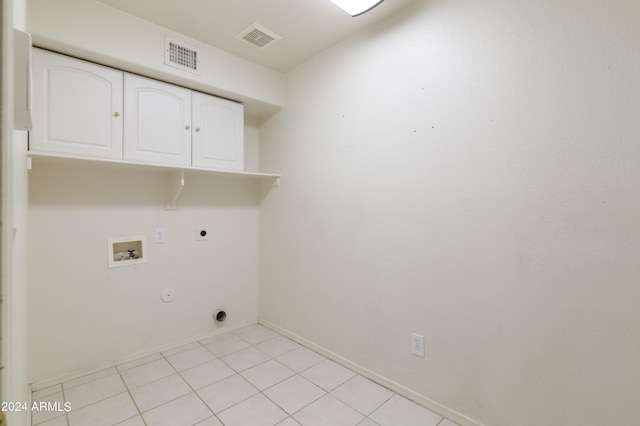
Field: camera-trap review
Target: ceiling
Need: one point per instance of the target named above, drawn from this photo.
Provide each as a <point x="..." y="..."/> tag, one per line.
<point x="307" y="27"/>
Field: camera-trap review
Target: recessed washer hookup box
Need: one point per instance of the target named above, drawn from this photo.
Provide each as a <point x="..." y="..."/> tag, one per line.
<point x="126" y="251"/>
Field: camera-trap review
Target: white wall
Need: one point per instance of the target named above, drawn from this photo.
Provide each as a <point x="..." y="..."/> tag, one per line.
<point x="82" y="314"/>
<point x="94" y="31"/>
<point x="468" y="170"/>
<point x="14" y="380"/>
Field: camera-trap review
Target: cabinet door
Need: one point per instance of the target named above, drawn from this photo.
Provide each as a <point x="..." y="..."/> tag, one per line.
<point x="218" y="133"/>
<point x="77" y="107"/>
<point x="157" y="120"/>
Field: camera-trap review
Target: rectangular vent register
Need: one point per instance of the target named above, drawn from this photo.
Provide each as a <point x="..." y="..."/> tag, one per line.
<point x="181" y="56"/>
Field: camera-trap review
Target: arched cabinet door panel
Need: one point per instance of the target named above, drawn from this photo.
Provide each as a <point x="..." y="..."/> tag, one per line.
<point x="77" y="108"/>
<point x="157" y="121"/>
<point x="218" y="133"/>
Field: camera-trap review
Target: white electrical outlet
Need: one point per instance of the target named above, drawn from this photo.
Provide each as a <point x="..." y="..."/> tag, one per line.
<point x="159" y="236"/>
<point x="202" y="233"/>
<point x="417" y="344"/>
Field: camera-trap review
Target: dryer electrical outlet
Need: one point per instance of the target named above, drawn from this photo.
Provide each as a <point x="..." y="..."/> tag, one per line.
<point x="202" y="233"/>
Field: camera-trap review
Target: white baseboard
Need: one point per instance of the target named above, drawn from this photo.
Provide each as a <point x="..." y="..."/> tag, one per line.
<point x="41" y="384"/>
<point x="422" y="400"/>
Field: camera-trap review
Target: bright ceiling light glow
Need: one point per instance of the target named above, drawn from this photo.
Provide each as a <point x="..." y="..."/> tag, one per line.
<point x="356" y="7"/>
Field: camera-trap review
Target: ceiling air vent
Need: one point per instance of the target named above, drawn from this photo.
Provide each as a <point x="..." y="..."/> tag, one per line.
<point x="181" y="56"/>
<point x="258" y="36"/>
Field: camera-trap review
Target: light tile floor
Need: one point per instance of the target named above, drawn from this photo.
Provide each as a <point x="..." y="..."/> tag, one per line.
<point x="251" y="376"/>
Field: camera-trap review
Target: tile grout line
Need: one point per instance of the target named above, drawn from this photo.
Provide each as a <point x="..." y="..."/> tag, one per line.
<point x="138" y="365"/>
<point x="135" y="404"/>
<point x="162" y="356"/>
<point x="254" y="336"/>
<point x="243" y="378"/>
<point x="213" y="414"/>
<point x="296" y="373"/>
<point x="261" y="392"/>
<point x="64" y="399"/>
<point x="102" y="400"/>
<point x="342" y="362"/>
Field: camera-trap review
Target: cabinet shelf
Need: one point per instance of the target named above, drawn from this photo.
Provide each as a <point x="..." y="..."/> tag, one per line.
<point x="177" y="173"/>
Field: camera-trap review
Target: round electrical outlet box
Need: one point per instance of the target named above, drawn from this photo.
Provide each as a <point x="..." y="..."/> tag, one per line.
<point x="168" y="295"/>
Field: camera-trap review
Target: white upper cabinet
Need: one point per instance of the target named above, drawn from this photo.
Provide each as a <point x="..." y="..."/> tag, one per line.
<point x="218" y="133"/>
<point x="77" y="108"/>
<point x="157" y="120"/>
<point x="87" y="110"/>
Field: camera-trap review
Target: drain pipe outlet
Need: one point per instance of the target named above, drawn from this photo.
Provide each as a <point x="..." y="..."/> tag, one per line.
<point x="220" y="316"/>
